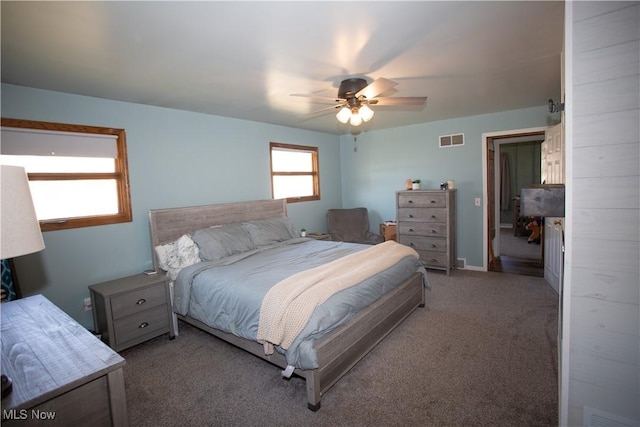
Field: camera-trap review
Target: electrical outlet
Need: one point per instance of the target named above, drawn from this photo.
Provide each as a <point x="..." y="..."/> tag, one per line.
<point x="87" y="304"/>
<point x="477" y="201"/>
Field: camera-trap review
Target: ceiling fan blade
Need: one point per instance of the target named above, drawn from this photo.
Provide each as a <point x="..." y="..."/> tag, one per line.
<point x="376" y="87"/>
<point x="319" y="99"/>
<point x="321" y="112"/>
<point x="401" y="100"/>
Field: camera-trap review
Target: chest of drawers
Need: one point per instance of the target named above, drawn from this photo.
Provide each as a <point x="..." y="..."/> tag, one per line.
<point x="132" y="309"/>
<point x="62" y="375"/>
<point x="427" y="223"/>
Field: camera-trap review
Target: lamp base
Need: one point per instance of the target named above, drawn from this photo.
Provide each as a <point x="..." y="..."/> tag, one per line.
<point x="7" y="386"/>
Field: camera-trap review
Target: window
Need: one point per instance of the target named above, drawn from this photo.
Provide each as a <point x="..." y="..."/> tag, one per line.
<point x="294" y="172"/>
<point x="78" y="175"/>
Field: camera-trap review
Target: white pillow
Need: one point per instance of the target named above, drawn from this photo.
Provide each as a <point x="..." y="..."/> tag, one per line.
<point x="178" y="254"/>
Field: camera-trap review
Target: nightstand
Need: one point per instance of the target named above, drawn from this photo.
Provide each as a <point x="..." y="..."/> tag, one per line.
<point x="389" y="231"/>
<point x="132" y="309"/>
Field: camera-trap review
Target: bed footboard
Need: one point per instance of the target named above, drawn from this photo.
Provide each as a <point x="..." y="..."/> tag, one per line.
<point x="341" y="349"/>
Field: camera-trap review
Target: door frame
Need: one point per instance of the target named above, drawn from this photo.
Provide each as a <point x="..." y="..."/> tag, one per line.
<point x="486" y="138"/>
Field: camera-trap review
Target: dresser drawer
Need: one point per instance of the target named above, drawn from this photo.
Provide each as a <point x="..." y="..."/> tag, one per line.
<point x="142" y="324"/>
<point x="419" y="243"/>
<point x="422" y="215"/>
<point x="422" y="200"/>
<point x="434" y="259"/>
<point x="422" y="229"/>
<point x="138" y="300"/>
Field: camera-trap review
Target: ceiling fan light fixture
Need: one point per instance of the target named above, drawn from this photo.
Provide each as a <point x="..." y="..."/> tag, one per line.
<point x="366" y="113"/>
<point x="355" y="95"/>
<point x="344" y="115"/>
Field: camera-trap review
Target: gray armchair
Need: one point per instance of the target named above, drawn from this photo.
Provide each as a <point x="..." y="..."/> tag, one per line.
<point x="351" y="225"/>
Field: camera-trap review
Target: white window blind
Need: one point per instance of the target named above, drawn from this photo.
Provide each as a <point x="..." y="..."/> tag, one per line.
<point x="35" y="142"/>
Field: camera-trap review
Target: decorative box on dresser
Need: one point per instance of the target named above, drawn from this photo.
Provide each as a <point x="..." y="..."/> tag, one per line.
<point x="132" y="309"/>
<point x="427" y="223"/>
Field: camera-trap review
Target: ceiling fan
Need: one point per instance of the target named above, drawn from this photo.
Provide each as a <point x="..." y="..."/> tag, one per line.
<point x="355" y="96"/>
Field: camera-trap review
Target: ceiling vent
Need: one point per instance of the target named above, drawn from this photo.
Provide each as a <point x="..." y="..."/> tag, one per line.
<point x="451" y="140"/>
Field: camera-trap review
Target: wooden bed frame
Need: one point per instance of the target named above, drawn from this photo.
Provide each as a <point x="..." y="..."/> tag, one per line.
<point x="337" y="351"/>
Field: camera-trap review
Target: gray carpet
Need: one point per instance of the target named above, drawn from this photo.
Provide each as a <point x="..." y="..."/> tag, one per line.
<point x="482" y="353"/>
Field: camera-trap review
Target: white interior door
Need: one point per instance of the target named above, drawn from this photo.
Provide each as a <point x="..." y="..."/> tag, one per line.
<point x="553" y="173"/>
<point x="553" y="156"/>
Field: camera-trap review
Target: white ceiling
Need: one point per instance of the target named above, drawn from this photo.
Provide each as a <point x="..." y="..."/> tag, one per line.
<point x="244" y="59"/>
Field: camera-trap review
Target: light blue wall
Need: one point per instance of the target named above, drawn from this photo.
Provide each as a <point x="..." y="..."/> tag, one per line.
<point x="176" y="159"/>
<point x="384" y="159"/>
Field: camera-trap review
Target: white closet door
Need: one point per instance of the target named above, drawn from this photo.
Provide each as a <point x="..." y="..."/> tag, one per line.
<point x="553" y="173"/>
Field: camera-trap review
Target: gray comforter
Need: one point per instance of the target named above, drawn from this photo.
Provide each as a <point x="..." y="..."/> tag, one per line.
<point x="227" y="294"/>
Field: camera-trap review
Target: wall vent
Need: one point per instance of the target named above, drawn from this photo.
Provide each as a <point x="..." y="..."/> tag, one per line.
<point x="461" y="263"/>
<point x="451" y="140"/>
<point x="592" y="417"/>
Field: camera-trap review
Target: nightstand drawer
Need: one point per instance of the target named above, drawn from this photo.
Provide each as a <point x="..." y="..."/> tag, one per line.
<point x="139" y="325"/>
<point x="137" y="301"/>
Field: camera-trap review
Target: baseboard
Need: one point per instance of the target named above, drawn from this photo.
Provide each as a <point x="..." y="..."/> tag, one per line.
<point x="474" y="268"/>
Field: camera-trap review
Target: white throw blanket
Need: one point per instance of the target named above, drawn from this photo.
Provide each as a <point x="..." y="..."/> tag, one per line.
<point x="287" y="307"/>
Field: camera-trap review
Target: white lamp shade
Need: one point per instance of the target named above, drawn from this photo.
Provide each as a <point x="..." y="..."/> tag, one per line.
<point x="343" y="115"/>
<point x="356" y="119"/>
<point x="20" y="231"/>
<point x="366" y="113"/>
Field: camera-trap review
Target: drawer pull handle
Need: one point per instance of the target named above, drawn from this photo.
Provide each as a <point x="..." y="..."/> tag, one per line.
<point x="143" y="325"/>
<point x="410" y="216"/>
<point x="434" y="245"/>
<point x="410" y="243"/>
<point x="432" y="201"/>
<point x="433" y="217"/>
<point x="141" y="301"/>
<point x="434" y="260"/>
<point x="434" y="231"/>
<point x="410" y="201"/>
<point x="411" y="230"/>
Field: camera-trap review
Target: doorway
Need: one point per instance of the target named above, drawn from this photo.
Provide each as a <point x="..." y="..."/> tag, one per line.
<point x="513" y="161"/>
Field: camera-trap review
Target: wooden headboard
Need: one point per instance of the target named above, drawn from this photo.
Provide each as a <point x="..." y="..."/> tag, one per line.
<point x="167" y="225"/>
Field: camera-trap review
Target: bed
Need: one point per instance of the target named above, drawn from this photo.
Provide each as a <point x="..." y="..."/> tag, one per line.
<point x="327" y="354"/>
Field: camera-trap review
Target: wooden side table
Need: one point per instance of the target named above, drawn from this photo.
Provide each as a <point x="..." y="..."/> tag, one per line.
<point x="132" y="309"/>
<point x="62" y="375"/>
<point x="389" y="231"/>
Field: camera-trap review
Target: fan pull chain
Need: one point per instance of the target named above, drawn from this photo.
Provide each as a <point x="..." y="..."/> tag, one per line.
<point x="355" y="147"/>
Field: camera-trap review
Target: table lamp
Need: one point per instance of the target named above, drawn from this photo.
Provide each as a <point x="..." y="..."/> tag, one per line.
<point x="19" y="228"/>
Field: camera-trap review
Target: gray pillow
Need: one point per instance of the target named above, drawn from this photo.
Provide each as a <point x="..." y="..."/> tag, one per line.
<point x="269" y="231"/>
<point x="219" y="242"/>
